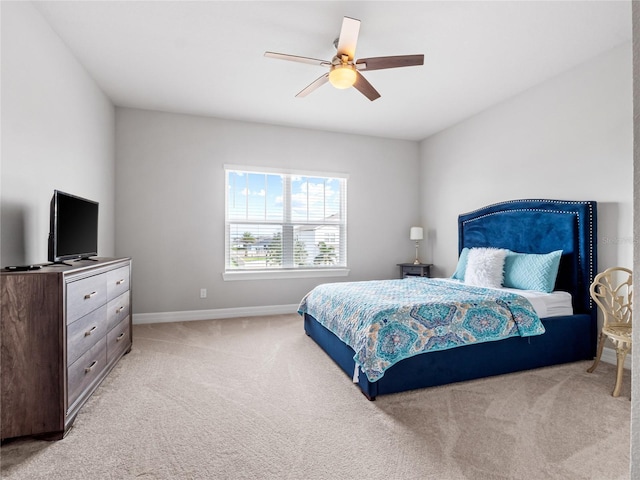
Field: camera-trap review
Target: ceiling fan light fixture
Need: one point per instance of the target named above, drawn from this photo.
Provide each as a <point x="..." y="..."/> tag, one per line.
<point x="342" y="76"/>
<point x="344" y="69"/>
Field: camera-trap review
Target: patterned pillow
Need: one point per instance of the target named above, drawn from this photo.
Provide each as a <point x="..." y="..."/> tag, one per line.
<point x="485" y="267"/>
<point x="529" y="271"/>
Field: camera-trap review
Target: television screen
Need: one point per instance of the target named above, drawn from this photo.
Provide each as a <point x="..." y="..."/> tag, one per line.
<point x="74" y="227"/>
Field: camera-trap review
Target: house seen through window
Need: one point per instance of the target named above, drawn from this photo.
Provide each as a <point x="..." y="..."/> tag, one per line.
<point x="284" y="220"/>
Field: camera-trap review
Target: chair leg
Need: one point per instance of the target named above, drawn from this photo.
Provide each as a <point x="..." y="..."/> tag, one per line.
<point x="621" y="355"/>
<point x="598" y="355"/>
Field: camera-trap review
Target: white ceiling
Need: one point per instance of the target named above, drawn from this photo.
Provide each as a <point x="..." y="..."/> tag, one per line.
<point x="206" y="58"/>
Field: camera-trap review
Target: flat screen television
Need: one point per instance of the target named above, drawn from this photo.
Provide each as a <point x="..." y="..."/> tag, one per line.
<point x="73" y="230"/>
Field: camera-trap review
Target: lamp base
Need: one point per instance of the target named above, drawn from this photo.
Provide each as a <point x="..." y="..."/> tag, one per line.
<point x="416" y="262"/>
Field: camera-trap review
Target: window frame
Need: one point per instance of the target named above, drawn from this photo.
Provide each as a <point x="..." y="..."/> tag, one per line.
<point x="290" y="270"/>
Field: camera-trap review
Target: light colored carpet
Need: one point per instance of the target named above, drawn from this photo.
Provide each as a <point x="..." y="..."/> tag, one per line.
<point x="256" y="398"/>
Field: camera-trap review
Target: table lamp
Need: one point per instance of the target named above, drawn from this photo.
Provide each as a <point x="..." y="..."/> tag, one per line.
<point x="417" y="235"/>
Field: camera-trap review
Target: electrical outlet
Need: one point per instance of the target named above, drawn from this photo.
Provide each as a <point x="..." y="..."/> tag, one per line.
<point x="203" y="293"/>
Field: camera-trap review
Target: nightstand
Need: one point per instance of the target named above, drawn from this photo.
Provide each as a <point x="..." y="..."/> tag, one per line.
<point x="414" y="270"/>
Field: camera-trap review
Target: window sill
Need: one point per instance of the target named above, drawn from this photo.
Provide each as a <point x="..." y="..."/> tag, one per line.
<point x="284" y="274"/>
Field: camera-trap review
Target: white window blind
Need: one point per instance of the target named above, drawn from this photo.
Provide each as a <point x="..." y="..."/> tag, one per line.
<point x="281" y="220"/>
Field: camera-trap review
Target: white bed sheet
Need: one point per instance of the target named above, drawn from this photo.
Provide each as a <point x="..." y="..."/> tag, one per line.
<point x="554" y="304"/>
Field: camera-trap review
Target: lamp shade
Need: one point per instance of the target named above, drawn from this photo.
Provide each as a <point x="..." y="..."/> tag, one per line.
<point x="416" y="233"/>
<point x="342" y="76"/>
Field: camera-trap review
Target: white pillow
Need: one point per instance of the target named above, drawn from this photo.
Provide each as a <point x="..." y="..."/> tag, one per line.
<point x="485" y="267"/>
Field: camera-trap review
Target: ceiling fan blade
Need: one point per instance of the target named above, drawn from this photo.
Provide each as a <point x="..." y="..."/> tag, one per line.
<point x="379" y="63"/>
<point x="296" y="58"/>
<point x="348" y="37"/>
<point x="318" y="82"/>
<point x="364" y="87"/>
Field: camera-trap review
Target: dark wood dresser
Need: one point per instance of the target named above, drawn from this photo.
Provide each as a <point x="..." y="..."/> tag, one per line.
<point x="63" y="328"/>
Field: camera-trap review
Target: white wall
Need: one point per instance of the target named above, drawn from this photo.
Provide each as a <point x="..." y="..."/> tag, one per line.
<point x="57" y="133"/>
<point x="635" y="384"/>
<point x="568" y="138"/>
<point x="170" y="204"/>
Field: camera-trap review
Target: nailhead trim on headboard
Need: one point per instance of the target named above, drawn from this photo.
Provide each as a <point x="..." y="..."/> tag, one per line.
<point x="590" y="223"/>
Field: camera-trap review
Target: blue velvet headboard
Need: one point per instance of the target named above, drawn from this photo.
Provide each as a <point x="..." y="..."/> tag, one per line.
<point x="541" y="226"/>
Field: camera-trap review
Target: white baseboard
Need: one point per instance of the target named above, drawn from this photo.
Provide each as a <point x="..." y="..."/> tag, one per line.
<point x="191" y="315"/>
<point x="609" y="356"/>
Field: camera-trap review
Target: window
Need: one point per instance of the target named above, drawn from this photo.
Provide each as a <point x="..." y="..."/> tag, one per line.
<point x="284" y="221"/>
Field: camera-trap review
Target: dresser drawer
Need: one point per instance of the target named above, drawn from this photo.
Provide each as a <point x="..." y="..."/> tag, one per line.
<point x="117" y="309"/>
<point x="85" y="295"/>
<point x="412" y="270"/>
<point x="85" y="370"/>
<point x="85" y="332"/>
<point x="117" y="282"/>
<point x="118" y="339"/>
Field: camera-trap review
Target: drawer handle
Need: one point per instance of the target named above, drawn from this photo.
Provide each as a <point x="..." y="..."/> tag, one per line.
<point x="120" y="337"/>
<point x="89" y="295"/>
<point x="89" y="332"/>
<point x="119" y="310"/>
<point x="90" y="367"/>
<point x="120" y="282"/>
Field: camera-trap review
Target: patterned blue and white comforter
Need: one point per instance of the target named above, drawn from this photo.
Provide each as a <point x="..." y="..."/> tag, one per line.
<point x="385" y="321"/>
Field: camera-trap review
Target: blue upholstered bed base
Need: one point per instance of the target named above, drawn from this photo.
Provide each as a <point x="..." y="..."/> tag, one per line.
<point x="528" y="226"/>
<point x="563" y="341"/>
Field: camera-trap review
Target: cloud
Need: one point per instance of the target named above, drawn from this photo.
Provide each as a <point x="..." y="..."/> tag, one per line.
<point x="254" y="193"/>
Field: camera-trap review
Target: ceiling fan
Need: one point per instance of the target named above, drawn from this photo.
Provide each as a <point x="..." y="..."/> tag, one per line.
<point x="344" y="69"/>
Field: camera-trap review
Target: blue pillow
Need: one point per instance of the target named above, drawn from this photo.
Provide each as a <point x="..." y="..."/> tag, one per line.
<point x="462" y="265"/>
<point x="530" y="271"/>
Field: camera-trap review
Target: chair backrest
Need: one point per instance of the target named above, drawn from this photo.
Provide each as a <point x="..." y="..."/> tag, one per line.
<point x="612" y="290"/>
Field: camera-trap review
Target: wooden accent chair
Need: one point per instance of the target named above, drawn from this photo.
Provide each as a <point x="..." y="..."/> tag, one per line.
<point x="612" y="291"/>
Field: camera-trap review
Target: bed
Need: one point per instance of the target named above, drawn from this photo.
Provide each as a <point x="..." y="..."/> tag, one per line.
<point x="531" y="227"/>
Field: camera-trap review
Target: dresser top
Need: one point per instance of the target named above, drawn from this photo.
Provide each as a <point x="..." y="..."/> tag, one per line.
<point x="70" y="266"/>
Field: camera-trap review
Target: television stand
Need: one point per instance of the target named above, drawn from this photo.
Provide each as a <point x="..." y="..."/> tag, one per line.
<point x="62" y="262"/>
